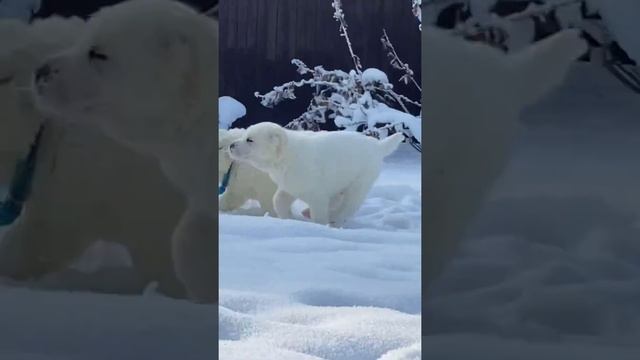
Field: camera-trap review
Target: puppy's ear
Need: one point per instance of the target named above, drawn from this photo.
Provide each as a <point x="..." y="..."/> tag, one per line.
<point x="279" y="138"/>
<point x="192" y="49"/>
<point x="179" y="49"/>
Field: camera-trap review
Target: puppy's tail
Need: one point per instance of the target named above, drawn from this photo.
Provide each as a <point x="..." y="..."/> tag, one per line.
<point x="544" y="65"/>
<point x="391" y="143"/>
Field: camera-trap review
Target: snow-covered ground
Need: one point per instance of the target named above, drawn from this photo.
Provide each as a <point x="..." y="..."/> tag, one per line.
<point x="297" y="290"/>
<point x="551" y="269"/>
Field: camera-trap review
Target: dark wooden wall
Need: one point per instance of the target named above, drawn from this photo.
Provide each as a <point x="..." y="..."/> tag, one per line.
<point x="258" y="39"/>
<point x="84" y="8"/>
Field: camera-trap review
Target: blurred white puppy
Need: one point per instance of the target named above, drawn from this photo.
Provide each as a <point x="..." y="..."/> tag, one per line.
<point x="145" y="72"/>
<point x="474" y="95"/>
<point x="85" y="187"/>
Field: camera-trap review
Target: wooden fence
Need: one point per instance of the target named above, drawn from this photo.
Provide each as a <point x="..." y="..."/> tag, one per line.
<point x="258" y="39"/>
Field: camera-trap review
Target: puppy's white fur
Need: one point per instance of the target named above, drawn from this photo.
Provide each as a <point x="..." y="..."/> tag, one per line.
<point x="146" y="73"/>
<point x="86" y="187"/>
<point x="319" y="168"/>
<point x="473" y="95"/>
<point x="246" y="182"/>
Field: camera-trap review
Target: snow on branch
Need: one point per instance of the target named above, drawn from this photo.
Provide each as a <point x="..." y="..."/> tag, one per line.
<point x="417" y="11"/>
<point x="474" y="26"/>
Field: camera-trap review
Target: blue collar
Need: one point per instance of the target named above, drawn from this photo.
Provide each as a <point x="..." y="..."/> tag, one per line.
<point x="20" y="188"/>
<point x="225" y="180"/>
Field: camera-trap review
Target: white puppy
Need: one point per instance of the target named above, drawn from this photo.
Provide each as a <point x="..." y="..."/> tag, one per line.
<point x="146" y="73"/>
<point x="245" y="181"/>
<point x="331" y="171"/>
<point x="86" y="187"/>
<point x="473" y="95"/>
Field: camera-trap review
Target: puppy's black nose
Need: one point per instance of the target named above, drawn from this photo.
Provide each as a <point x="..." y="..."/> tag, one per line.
<point x="232" y="145"/>
<point x="43" y="72"/>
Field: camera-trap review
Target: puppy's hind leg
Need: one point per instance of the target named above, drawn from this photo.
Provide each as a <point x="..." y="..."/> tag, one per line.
<point x="266" y="203"/>
<point x="319" y="209"/>
<point x="352" y="199"/>
<point x="193" y="249"/>
<point x="230" y="201"/>
<point x="282" y="201"/>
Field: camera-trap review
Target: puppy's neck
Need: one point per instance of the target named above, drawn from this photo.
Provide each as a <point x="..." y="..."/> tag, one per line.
<point x="190" y="163"/>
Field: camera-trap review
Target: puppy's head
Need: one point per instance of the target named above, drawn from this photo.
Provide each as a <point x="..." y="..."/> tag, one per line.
<point x="262" y="146"/>
<point x="145" y="71"/>
<point x="24" y="47"/>
<point x="225" y="138"/>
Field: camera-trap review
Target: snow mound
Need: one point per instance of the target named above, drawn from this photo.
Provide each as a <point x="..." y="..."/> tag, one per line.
<point x="299" y="331"/>
<point x="229" y="110"/>
<point x="489" y="348"/>
<point x="412" y="352"/>
<point x="45" y="325"/>
<point x="373" y="75"/>
<point x="383" y="114"/>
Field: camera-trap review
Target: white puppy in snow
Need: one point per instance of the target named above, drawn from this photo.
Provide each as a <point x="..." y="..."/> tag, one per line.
<point x="330" y="171"/>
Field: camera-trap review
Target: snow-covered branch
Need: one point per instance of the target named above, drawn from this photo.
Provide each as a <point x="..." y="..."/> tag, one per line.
<point x="476" y="25"/>
<point x="358" y="100"/>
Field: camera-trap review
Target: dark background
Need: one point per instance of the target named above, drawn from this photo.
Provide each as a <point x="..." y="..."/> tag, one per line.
<point x="84" y="8"/>
<point x="258" y="39"/>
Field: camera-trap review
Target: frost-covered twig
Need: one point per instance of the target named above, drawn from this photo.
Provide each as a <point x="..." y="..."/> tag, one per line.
<point x="417" y="11"/>
<point x="396" y="62"/>
<point x="339" y="16"/>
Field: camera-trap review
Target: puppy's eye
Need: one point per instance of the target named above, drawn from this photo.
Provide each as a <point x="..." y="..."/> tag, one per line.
<point x="96" y="55"/>
<point x="249" y="140"/>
